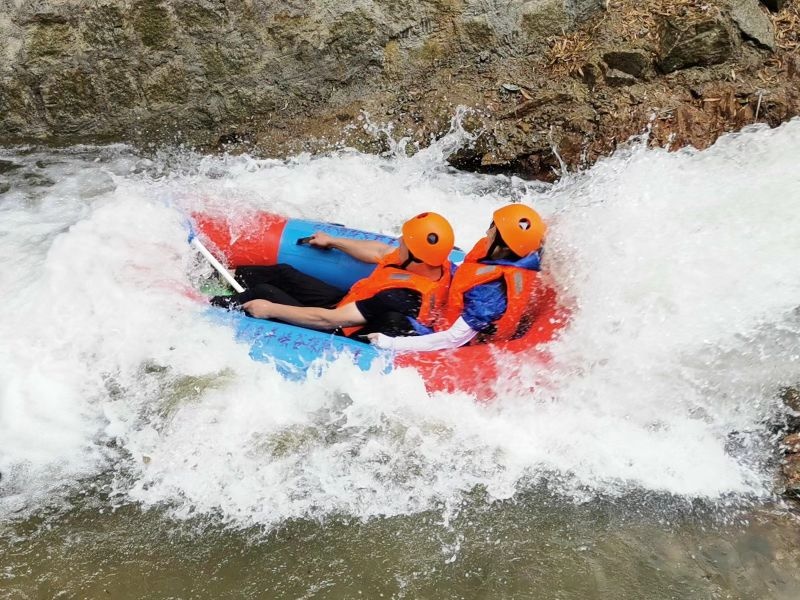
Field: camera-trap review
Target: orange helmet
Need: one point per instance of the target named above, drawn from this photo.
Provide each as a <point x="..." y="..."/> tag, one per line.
<point x="521" y="228"/>
<point x="429" y="238"/>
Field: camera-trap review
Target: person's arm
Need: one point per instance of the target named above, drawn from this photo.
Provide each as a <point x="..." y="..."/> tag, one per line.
<point x="459" y="334"/>
<point x="368" y="251"/>
<point x="309" y="317"/>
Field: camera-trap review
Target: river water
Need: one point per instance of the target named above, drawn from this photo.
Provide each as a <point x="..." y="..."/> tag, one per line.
<point x="143" y="454"/>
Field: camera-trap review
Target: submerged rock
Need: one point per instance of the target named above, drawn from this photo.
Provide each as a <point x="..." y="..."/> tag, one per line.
<point x="7" y="166"/>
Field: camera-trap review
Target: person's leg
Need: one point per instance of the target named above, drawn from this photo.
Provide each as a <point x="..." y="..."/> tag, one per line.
<point x="264" y="291"/>
<point x="252" y="276"/>
<point x="305" y="289"/>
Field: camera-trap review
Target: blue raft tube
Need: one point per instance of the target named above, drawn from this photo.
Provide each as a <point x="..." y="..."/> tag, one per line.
<point x="269" y="239"/>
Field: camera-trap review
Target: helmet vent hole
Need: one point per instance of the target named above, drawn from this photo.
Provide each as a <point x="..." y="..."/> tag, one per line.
<point x="524" y="224"/>
<point x="433" y="239"/>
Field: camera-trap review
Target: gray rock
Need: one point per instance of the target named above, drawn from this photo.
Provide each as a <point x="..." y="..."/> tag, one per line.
<point x="6" y="166"/>
<point x="592" y="72"/>
<point x="541" y="19"/>
<point x="585" y="9"/>
<point x="617" y="78"/>
<point x="684" y="44"/>
<point x="478" y="33"/>
<point x="43" y="12"/>
<point x="95" y="184"/>
<point x="37" y="180"/>
<point x="753" y="22"/>
<point x="635" y="62"/>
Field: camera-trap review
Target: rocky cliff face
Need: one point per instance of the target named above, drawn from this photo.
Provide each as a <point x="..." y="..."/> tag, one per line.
<point x="152" y="69"/>
<point x="687" y="71"/>
<point x="280" y="77"/>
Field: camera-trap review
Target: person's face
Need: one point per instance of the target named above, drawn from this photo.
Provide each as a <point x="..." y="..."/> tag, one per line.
<point x="491" y="233"/>
<point x="403" y="250"/>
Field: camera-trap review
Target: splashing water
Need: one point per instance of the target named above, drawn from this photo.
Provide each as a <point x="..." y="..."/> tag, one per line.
<point x="680" y="271"/>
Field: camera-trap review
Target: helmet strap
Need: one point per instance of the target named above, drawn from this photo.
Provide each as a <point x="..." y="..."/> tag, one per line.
<point x="411" y="259"/>
<point x="497" y="243"/>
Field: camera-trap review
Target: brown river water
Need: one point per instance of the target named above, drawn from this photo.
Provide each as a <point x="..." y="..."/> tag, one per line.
<point x="538" y="547"/>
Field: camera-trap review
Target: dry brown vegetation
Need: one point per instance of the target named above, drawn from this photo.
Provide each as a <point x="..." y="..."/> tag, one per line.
<point x="635" y="20"/>
<point x="567" y="54"/>
<point x="787" y="27"/>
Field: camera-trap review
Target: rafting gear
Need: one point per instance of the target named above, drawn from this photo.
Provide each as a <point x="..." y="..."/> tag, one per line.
<point x="294" y="352"/>
<point x="429" y="238"/>
<point x="389" y="276"/>
<point x="520" y="297"/>
<point x="520" y="229"/>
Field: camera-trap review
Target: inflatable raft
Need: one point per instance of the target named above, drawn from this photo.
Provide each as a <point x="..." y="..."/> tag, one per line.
<point x="268" y="239"/>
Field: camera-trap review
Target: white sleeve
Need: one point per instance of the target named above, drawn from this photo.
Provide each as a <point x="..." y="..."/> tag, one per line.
<point x="459" y="334"/>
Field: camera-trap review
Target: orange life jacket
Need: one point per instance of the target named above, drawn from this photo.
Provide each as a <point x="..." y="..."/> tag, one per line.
<point x="388" y="276"/>
<point x="521" y="286"/>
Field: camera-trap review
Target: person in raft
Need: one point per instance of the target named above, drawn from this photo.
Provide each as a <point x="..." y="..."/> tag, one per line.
<point x="492" y="297"/>
<point x="408" y="288"/>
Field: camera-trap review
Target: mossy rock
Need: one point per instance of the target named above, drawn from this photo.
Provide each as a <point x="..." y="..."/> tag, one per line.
<point x="17" y="109"/>
<point x="431" y="53"/>
<point x="15" y="98"/>
<point x="685" y="43"/>
<point x="213" y="63"/>
<point x="70" y="99"/>
<point x="117" y="84"/>
<point x="103" y="27"/>
<point x="544" y="19"/>
<point x="236" y="55"/>
<point x="392" y="59"/>
<point x="478" y="32"/>
<point x="167" y="84"/>
<point x="352" y="31"/>
<point x="52" y="39"/>
<point x="293" y="31"/>
<point x="193" y="17"/>
<point x="367" y="142"/>
<point x="152" y="23"/>
<point x="246" y="101"/>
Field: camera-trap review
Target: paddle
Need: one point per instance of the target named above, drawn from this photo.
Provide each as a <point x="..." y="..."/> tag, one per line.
<point x="220" y="268"/>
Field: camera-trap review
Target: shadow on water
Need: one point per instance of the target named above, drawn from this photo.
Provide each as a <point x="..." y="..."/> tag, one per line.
<point x="539" y="546"/>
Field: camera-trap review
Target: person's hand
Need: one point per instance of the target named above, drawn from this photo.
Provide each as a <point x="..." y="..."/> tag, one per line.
<point x="380" y="340"/>
<point x="321" y="240"/>
<point x="260" y="309"/>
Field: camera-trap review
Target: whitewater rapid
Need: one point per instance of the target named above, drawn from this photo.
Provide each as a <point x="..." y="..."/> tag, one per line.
<point x="680" y="270"/>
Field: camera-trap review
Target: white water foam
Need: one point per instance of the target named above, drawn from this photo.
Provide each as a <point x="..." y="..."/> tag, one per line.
<point x="680" y="271"/>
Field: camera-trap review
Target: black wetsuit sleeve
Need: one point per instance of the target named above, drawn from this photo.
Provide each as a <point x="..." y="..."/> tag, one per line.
<point x="405" y="302"/>
<point x="388" y="312"/>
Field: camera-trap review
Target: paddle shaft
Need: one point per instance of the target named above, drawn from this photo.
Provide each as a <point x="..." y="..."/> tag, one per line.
<point x="217" y="265"/>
